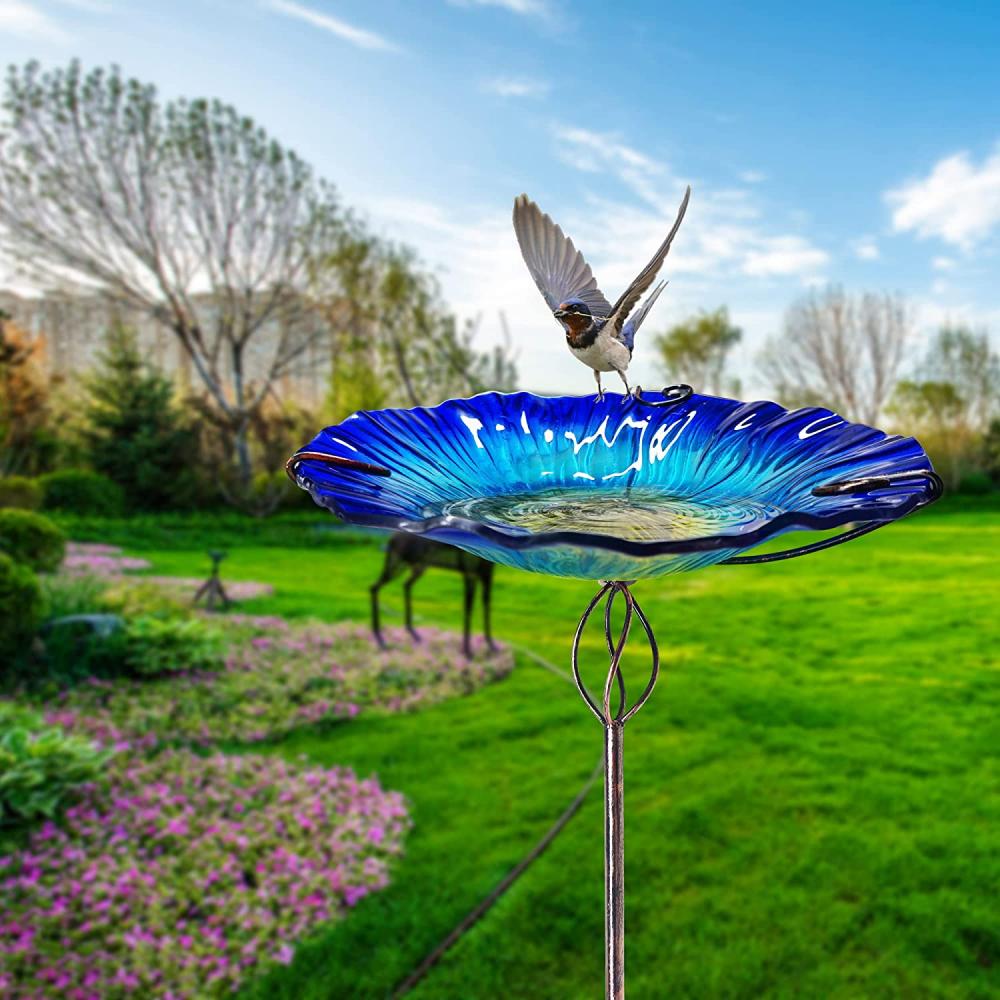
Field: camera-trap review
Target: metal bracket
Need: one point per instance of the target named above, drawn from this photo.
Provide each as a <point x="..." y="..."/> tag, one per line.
<point x="849" y="487"/>
<point x="672" y="395"/>
<point x="342" y="463"/>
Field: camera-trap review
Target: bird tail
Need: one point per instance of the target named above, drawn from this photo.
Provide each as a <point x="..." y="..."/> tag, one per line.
<point x="633" y="324"/>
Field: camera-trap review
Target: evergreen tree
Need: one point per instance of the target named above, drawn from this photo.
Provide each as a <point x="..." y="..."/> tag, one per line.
<point x="135" y="434"/>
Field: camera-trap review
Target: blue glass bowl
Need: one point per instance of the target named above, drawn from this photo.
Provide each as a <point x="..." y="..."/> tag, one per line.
<point x="606" y="489"/>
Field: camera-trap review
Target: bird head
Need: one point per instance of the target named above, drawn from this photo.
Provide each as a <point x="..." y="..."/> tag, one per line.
<point x="574" y="316"/>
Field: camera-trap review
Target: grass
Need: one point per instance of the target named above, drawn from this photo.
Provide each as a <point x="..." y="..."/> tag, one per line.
<point x="812" y="792"/>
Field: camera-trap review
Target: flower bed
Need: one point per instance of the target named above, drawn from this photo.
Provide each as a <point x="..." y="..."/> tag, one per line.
<point x="278" y="677"/>
<point x="107" y="562"/>
<point x="99" y="560"/>
<point x="185" y="873"/>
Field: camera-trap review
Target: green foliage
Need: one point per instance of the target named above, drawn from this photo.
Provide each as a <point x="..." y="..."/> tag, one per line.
<point x="133" y="598"/>
<point x="309" y="528"/>
<point x="147" y="646"/>
<point x="277" y="491"/>
<point x="135" y="435"/>
<point x="696" y="351"/>
<point x="72" y="595"/>
<point x="20" y="492"/>
<point x="154" y="646"/>
<point x="976" y="484"/>
<point x="77" y="491"/>
<point x="21" y="610"/>
<point x="991" y="451"/>
<point x="40" y="766"/>
<point x="31" y="539"/>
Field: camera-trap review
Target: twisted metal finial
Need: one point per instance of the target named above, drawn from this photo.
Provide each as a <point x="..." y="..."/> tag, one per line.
<point x="616" y="647"/>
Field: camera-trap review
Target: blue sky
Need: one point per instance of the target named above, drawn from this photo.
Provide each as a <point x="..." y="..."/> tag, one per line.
<point x="849" y="142"/>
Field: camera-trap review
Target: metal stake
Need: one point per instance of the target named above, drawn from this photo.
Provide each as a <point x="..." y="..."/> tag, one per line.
<point x="613" y="722"/>
<point x="614" y="863"/>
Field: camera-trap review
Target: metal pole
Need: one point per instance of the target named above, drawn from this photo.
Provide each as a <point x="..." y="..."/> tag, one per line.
<point x="613" y="720"/>
<point x="614" y="863"/>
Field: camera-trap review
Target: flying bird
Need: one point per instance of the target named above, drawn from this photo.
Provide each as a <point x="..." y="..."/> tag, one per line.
<point x="599" y="334"/>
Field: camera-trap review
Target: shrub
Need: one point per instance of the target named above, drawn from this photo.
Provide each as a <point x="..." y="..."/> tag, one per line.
<point x="77" y="491"/>
<point x="20" y="492"/>
<point x="75" y="651"/>
<point x="975" y="484"/>
<point x="40" y="766"/>
<point x="72" y="595"/>
<point x="157" y="646"/>
<point x="21" y="609"/>
<point x="135" y="434"/>
<point x="133" y="598"/>
<point x="145" y="647"/>
<point x="31" y="539"/>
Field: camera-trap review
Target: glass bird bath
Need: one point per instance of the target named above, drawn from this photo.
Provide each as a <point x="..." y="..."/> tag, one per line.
<point x="616" y="490"/>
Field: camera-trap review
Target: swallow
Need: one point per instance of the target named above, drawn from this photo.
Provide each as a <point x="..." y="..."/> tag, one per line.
<point x="599" y="334"/>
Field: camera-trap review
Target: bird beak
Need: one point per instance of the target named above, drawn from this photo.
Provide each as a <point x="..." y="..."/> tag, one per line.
<point x="560" y="313"/>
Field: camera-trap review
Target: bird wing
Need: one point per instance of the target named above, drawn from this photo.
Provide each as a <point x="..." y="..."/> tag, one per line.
<point x="559" y="270"/>
<point x="646" y="276"/>
<point x="630" y="327"/>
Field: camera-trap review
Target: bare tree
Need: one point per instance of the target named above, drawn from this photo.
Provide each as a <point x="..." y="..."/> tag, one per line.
<point x="186" y="211"/>
<point x="839" y="350"/>
<point x="965" y="358"/>
<point x="395" y="341"/>
<point x="952" y="398"/>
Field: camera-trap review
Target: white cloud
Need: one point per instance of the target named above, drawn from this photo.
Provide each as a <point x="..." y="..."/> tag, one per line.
<point x="726" y="238"/>
<point x="90" y="6"/>
<point x="775" y="256"/>
<point x="944" y="263"/>
<point x="538" y="8"/>
<point x="516" y="86"/>
<point x="27" y="20"/>
<point x="866" y="249"/>
<point x="603" y="152"/>
<point x="958" y="201"/>
<point x="753" y="177"/>
<point x="360" y="37"/>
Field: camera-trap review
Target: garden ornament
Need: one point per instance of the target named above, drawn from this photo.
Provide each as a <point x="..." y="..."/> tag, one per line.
<point x="612" y="488"/>
<point x="418" y="554"/>
<point x="212" y="591"/>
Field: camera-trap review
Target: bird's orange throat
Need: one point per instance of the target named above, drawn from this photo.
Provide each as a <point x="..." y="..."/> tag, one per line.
<point x="578" y="332"/>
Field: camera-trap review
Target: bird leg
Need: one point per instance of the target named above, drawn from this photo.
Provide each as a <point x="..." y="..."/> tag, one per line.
<point x="621" y="375"/>
<point x="600" y="391"/>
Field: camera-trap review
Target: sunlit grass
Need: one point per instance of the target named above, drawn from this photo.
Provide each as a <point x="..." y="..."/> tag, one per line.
<point x="812" y="792"/>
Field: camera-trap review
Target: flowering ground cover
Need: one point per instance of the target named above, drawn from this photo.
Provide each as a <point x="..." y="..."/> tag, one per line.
<point x="93" y="559"/>
<point x="182" y="874"/>
<point x="278" y="677"/>
<point x="110" y="564"/>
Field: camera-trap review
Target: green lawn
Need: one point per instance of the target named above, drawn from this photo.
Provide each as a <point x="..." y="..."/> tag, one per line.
<point x="812" y="793"/>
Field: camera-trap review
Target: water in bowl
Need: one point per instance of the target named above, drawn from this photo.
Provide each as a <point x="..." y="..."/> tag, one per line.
<point x="639" y="514"/>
